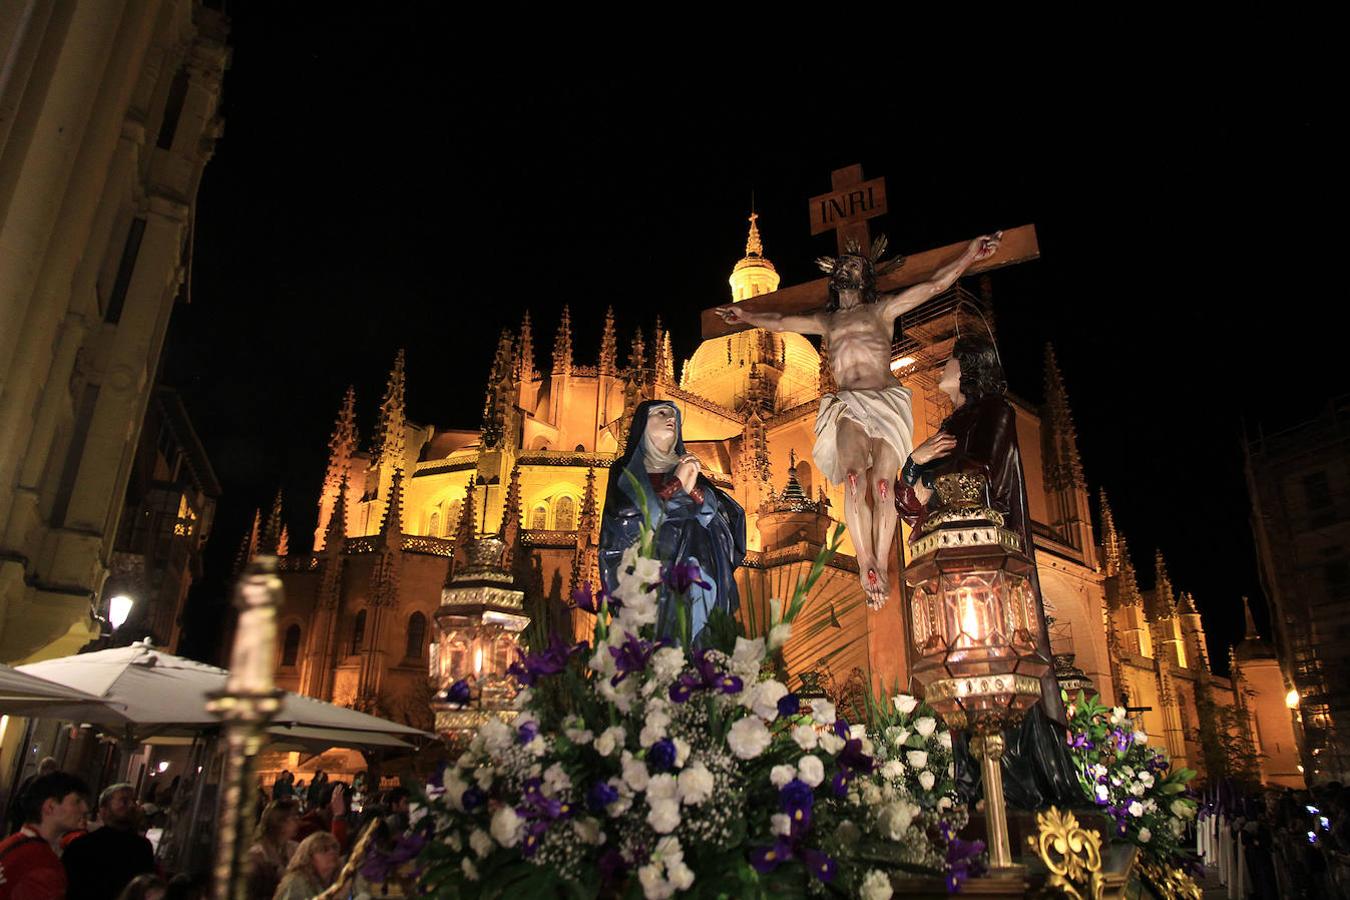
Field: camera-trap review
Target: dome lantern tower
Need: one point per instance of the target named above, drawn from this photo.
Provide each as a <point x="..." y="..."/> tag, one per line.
<point x="754" y="274"/>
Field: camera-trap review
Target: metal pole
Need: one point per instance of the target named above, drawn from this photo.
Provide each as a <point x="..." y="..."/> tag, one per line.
<point x="247" y="704"/>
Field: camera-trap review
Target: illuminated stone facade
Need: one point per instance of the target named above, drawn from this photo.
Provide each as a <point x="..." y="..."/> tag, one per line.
<point x="534" y="472"/>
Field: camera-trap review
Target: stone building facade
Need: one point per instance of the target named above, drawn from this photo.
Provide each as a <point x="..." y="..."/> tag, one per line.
<point x="396" y="518"/>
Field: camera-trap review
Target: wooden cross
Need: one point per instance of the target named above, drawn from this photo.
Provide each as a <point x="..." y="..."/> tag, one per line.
<point x="846" y="209"/>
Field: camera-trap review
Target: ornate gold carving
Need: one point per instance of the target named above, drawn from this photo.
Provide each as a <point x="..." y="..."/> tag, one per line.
<point x="961" y="489"/>
<point x="483" y="595"/>
<point x="983" y="535"/>
<point x="1172" y="883"/>
<point x="1072" y="853"/>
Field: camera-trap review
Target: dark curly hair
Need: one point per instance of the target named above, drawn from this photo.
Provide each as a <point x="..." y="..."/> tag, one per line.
<point x="981" y="371"/>
<point x="869" y="281"/>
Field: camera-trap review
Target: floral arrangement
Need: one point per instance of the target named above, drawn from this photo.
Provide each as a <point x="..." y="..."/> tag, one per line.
<point x="653" y="770"/>
<point x="1131" y="782"/>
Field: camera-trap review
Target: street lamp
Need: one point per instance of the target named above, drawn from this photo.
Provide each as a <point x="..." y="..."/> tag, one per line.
<point x="119" y="607"/>
<point x="975" y="619"/>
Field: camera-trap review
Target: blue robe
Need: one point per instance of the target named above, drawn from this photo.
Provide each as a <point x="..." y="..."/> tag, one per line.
<point x="709" y="532"/>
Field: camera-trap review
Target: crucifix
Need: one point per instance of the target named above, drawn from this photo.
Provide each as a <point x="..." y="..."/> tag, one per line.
<point x="864" y="429"/>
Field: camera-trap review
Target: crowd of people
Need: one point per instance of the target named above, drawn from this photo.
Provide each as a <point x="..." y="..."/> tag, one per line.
<point x="1294" y="844"/>
<point x="61" y="848"/>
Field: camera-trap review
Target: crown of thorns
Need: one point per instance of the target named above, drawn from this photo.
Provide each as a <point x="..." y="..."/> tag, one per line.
<point x="827" y="264"/>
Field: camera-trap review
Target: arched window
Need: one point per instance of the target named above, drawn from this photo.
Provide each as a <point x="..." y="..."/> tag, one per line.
<point x="417" y="636"/>
<point x="434" y="528"/>
<point x="290" y="646"/>
<point x="565" y="518"/>
<point x="581" y="448"/>
<point x="539" y="518"/>
<point x="359" y="632"/>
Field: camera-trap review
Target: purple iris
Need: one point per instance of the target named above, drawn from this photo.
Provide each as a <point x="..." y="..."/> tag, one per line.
<point x="528" y="731"/>
<point x="704" y="677"/>
<point x="539" y="812"/>
<point x="380" y="864"/>
<point x="1122" y="740"/>
<point x="963" y="859"/>
<point x="632" y="656"/>
<point x="584" y="599"/>
<point x="853" y="757"/>
<point x="796" y="799"/>
<point x="788" y="705"/>
<point x="472" y="799"/>
<point x="679" y="577"/>
<point x="839" y="783"/>
<point x="840" y="727"/>
<point x="662" y="755"/>
<point x="529" y="669"/>
<point x="1080" y="741"/>
<point x="601" y="795"/>
<point x="458" y="692"/>
<point x="819" y="863"/>
<point x="766" y="859"/>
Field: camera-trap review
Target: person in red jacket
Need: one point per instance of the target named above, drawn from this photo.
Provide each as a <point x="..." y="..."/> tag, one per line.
<point x="30" y="868"/>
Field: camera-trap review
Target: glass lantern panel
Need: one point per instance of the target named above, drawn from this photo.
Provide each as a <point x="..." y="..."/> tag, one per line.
<point x="972" y="603"/>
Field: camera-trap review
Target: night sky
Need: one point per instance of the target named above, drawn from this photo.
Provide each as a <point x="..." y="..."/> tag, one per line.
<point x="375" y="190"/>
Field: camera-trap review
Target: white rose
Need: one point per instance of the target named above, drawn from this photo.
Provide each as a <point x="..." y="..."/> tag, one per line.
<point x="555" y="779"/>
<point x="831" y="743"/>
<point x="811" y="770"/>
<point x="1141" y="737"/>
<point x="823" y="712"/>
<point x="1145" y="834"/>
<point x="1146" y="778"/>
<point x="1117" y="715"/>
<point x="893" y="768"/>
<point x="470" y="870"/>
<point x="927" y="780"/>
<point x="944" y="804"/>
<point x="681" y="877"/>
<point x="610" y="740"/>
<point x="805" y="736"/>
<point x="1136" y="808"/>
<point x="667" y="663"/>
<point x="763" y="700"/>
<point x="1137" y="789"/>
<point x="664" y="816"/>
<point x="925" y="726"/>
<point x="654" y="887"/>
<point x="779" y="634"/>
<point x="781" y="775"/>
<point x="918" y="759"/>
<point x="748" y="737"/>
<point x="779" y="823"/>
<point x="695" y="784"/>
<point x="945" y="740"/>
<point x="898" y="736"/>
<point x="481" y="842"/>
<point x="876" y="886"/>
<point x="905" y="704"/>
<point x="507" y="827"/>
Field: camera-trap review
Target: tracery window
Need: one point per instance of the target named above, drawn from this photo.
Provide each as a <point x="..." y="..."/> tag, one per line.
<point x="290" y="646"/>
<point x="565" y="518"/>
<point x="539" y="517"/>
<point x="417" y="636"/>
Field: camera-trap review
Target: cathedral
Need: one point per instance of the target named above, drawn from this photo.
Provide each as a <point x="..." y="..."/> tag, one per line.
<point x="401" y="520"/>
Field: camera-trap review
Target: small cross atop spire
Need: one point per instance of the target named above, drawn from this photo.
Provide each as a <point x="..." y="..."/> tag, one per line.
<point x="753" y="245"/>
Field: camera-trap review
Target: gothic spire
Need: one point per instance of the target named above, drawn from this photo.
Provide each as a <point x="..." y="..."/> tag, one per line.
<point x="587" y="520"/>
<point x="467" y="528"/>
<point x="525" y="358"/>
<point x="1063" y="468"/>
<point x="335" y="531"/>
<point x="1164" y="597"/>
<point x="391" y="524"/>
<point x="393" y="418"/>
<point x="271" y="535"/>
<point x="637" y="354"/>
<point x="249" y="547"/>
<point x="753" y="245"/>
<point x="499" y="390"/>
<point x="1111" y="540"/>
<point x="668" y="369"/>
<point x="608" y="345"/>
<point x="659" y="358"/>
<point x="562" y="345"/>
<point x="284" y="541"/>
<point x="341" y="446"/>
<point x="1252" y="633"/>
<point x="511" y="511"/>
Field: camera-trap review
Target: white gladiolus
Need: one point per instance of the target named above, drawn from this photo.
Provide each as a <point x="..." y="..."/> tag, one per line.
<point x="781" y="775"/>
<point x="1145" y="835"/>
<point x="805" y="736"/>
<point x="496" y="735"/>
<point x="779" y="634"/>
<point x="667" y="663"/>
<point x="927" y="780"/>
<point x="905" y="704"/>
<point x="917" y="759"/>
<point x="747" y="657"/>
<point x="695" y="784"/>
<point x="823" y="712"/>
<point x="507" y="827"/>
<point x="925" y="726"/>
<point x="811" y="770"/>
<point x="876" y="886"/>
<point x="481" y="842"/>
<point x="634" y="772"/>
<point x="764" y="699"/>
<point x="610" y="739"/>
<point x="1136" y="808"/>
<point x="664" y="816"/>
<point x="748" y="737"/>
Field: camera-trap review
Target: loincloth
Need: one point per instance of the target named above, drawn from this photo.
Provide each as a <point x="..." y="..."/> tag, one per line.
<point x="884" y="414"/>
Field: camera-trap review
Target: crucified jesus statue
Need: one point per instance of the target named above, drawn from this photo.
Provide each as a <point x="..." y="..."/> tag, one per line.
<point x="865" y="429"/>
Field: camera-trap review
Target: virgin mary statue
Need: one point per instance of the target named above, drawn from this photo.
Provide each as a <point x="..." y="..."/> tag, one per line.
<point x="699" y="529"/>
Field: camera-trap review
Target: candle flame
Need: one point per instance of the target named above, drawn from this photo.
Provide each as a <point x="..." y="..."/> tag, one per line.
<point x="970" y="615"/>
<point x="477" y="661"/>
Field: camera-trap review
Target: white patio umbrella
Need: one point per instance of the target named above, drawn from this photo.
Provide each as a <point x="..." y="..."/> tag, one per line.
<point x="158" y="694"/>
<point x="22" y="694"/>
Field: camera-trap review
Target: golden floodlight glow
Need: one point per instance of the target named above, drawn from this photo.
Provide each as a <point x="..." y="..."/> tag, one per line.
<point x="1291" y="699"/>
<point x="902" y="362"/>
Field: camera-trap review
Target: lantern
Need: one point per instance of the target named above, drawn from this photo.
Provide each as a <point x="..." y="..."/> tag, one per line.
<point x="478" y="628"/>
<point x="975" y="620"/>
